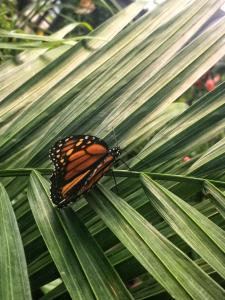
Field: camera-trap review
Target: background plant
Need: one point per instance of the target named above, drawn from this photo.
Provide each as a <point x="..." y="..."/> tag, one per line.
<point x="27" y="24"/>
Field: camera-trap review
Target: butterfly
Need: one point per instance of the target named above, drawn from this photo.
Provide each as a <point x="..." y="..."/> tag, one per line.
<point x="79" y="163"/>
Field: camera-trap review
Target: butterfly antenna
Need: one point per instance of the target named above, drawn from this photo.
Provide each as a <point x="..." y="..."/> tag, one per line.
<point x="114" y="134"/>
<point x="114" y="178"/>
<point x="125" y="164"/>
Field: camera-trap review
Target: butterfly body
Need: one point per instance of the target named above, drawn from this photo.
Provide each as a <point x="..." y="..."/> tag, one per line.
<point x="79" y="161"/>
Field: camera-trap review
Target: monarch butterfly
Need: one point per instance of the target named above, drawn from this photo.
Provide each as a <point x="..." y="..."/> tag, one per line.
<point x="79" y="162"/>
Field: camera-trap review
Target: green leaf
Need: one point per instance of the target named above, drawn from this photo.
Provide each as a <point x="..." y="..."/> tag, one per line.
<point x="93" y="78"/>
<point x="56" y="239"/>
<point x="205" y="237"/>
<point x="217" y="196"/>
<point x="35" y="37"/>
<point x="166" y="263"/>
<point x="64" y="65"/>
<point x="103" y="279"/>
<point x="213" y="160"/>
<point x="195" y="125"/>
<point x="126" y="77"/>
<point x="145" y="128"/>
<point x="163" y="76"/>
<point x="54" y="293"/>
<point x="13" y="272"/>
<point x="10" y="71"/>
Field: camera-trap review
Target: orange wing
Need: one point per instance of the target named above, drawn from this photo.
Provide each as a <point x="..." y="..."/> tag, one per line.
<point x="98" y="173"/>
<point x="80" y="161"/>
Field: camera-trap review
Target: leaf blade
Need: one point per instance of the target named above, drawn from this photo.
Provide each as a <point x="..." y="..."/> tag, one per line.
<point x="13" y="271"/>
<point x="205" y="237"/>
<point x="152" y="250"/>
<point x="105" y="282"/>
<point x="54" y="237"/>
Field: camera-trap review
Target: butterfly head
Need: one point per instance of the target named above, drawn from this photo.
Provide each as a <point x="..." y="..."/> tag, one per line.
<point x="115" y="151"/>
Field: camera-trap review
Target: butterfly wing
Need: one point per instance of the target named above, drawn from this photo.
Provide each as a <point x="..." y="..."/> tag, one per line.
<point x="75" y="159"/>
<point x="102" y="168"/>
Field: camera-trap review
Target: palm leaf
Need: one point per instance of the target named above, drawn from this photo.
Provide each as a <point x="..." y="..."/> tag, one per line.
<point x="14" y="277"/>
<point x="126" y="77"/>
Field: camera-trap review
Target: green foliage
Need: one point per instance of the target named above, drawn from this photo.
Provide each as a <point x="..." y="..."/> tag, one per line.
<point x="160" y="232"/>
<point x="7" y="23"/>
<point x="32" y="24"/>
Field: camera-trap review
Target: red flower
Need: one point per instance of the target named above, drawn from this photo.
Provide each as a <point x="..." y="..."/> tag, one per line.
<point x="186" y="158"/>
<point x="210" y="85"/>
